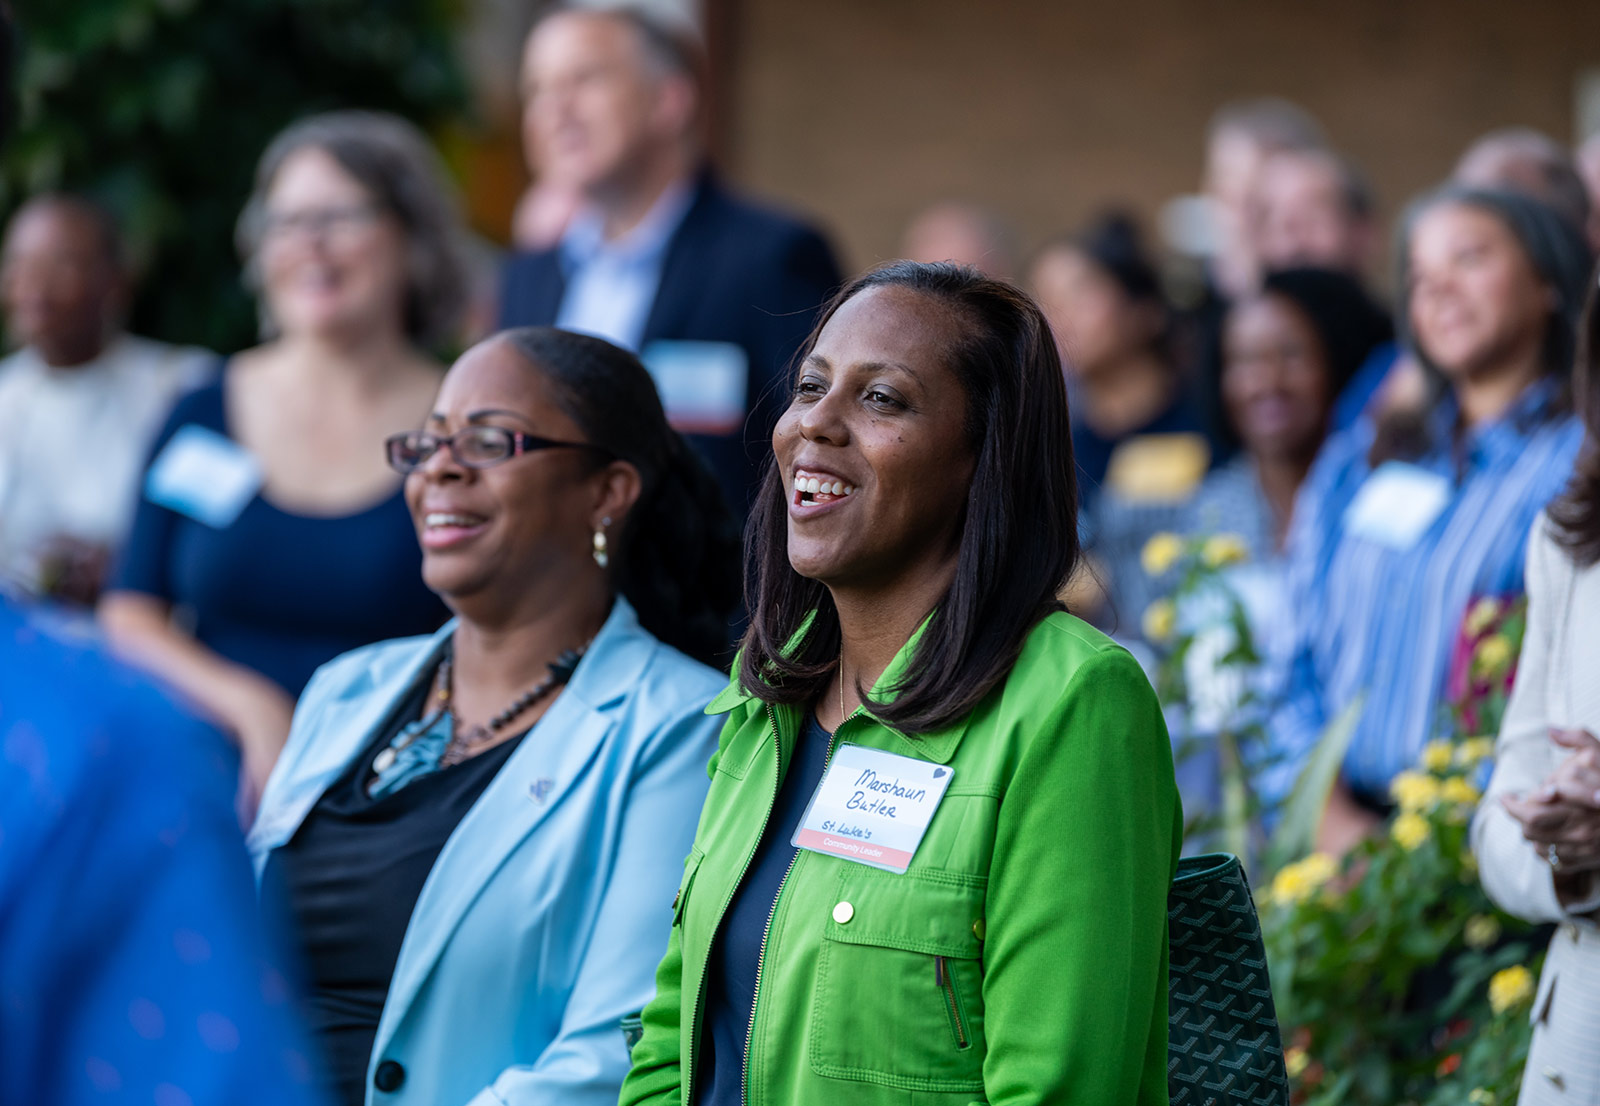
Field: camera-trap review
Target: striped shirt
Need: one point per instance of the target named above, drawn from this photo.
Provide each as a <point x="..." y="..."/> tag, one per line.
<point x="1375" y="619"/>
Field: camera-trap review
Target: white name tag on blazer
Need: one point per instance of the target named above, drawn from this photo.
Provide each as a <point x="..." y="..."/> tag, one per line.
<point x="703" y="385"/>
<point x="1396" y="505"/>
<point x="204" y="475"/>
<point x="872" y="807"/>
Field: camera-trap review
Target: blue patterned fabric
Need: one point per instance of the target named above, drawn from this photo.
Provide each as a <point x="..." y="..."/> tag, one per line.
<point x="132" y="970"/>
<point x="1371" y="619"/>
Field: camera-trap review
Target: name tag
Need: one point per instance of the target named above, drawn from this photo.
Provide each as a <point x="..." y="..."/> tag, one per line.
<point x="872" y="807"/>
<point x="203" y="475"/>
<point x="703" y="385"/>
<point x="1396" y="505"/>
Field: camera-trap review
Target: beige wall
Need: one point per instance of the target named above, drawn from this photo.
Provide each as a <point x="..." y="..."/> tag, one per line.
<point x="861" y="111"/>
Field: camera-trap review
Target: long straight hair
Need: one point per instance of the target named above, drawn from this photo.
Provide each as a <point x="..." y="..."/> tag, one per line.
<point x="1019" y="536"/>
<point x="1576" y="512"/>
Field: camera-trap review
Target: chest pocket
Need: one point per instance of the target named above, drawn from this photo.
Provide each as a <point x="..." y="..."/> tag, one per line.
<point x="681" y="900"/>
<point x="899" y="989"/>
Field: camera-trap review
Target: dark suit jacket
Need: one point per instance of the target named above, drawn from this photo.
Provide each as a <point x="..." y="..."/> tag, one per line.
<point x="734" y="272"/>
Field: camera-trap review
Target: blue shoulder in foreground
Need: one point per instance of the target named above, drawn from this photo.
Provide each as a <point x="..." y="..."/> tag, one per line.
<point x="132" y="959"/>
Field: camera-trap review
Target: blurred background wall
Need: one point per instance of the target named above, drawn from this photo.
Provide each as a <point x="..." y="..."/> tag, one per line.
<point x="859" y="112"/>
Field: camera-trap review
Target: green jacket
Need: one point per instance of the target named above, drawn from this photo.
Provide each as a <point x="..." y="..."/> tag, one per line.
<point x="1021" y="959"/>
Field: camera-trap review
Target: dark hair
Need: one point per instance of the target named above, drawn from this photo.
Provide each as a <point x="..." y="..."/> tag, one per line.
<point x="1549" y="171"/>
<point x="1348" y="323"/>
<point x="677" y="557"/>
<point x="394" y="162"/>
<point x="1576" y="512"/>
<point x="1019" y="538"/>
<point x="1559" y="256"/>
<point x="1113" y="243"/>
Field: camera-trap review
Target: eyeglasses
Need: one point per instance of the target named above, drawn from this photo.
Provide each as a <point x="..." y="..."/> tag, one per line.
<point x="476" y="447"/>
<point x="319" y="222"/>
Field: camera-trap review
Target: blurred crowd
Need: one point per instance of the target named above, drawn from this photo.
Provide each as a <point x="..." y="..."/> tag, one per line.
<point x="1380" y="422"/>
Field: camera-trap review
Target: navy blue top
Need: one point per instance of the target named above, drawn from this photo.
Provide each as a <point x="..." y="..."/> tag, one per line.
<point x="278" y="592"/>
<point x="730" y="988"/>
<point x="1092" y="451"/>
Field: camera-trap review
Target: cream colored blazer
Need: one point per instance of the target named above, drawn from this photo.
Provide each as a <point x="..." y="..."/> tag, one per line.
<point x="1558" y="684"/>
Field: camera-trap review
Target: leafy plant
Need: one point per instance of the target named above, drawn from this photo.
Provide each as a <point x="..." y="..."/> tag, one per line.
<point x="1396" y="979"/>
<point x="160" y="108"/>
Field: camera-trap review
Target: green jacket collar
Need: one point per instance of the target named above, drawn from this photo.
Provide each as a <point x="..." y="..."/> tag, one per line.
<point x="936" y="745"/>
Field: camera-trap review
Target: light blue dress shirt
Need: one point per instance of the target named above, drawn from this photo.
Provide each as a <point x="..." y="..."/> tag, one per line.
<point x="1370" y="618"/>
<point x="611" y="286"/>
<point x="543" y="920"/>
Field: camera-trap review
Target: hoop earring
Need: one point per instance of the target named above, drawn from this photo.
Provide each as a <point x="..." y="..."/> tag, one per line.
<point x="601" y="557"/>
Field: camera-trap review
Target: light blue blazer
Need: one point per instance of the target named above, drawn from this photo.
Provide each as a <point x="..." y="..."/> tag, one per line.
<point x="543" y="920"/>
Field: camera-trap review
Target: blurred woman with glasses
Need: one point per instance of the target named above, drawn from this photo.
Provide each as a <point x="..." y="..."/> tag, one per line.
<point x="478" y="833"/>
<point x="270" y="536"/>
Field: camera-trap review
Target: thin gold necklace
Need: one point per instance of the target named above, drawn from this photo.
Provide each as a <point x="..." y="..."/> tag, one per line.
<point x="841" y="688"/>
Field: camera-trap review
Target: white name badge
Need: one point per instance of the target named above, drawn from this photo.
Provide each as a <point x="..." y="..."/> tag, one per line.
<point x="1396" y="505"/>
<point x="872" y="807"/>
<point x="204" y="475"/>
<point x="703" y="385"/>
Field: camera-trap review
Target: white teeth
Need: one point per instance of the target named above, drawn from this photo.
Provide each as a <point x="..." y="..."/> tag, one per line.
<point x="836" y="488"/>
<point x="448" y="520"/>
<point x="813" y="485"/>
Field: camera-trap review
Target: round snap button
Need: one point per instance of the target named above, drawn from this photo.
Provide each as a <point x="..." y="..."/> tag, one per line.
<point x="843" y="912"/>
<point x="389" y="1076"/>
<point x="978" y="929"/>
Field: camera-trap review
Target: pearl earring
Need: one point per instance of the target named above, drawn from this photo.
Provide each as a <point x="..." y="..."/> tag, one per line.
<point x="601" y="557"/>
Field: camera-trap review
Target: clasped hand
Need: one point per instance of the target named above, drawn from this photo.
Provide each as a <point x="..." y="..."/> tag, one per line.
<point x="1561" y="817"/>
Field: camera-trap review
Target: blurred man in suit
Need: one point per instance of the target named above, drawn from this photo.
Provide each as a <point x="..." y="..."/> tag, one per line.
<point x="714" y="293"/>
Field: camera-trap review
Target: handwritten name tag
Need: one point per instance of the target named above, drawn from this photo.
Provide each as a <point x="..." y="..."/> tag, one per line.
<point x="872" y="807"/>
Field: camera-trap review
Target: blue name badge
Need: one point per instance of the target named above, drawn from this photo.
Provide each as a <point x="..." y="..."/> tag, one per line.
<point x="203" y="475"/>
<point x="1396" y="504"/>
<point x="704" y="385"/>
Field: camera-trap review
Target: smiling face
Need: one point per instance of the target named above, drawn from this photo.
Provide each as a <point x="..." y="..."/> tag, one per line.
<point x="1275" y="382"/>
<point x="488" y="534"/>
<point x="593" y="102"/>
<point x="1476" y="303"/>
<point x="873" y="450"/>
<point x="332" y="262"/>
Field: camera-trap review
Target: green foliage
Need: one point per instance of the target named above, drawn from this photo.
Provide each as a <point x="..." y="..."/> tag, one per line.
<point x="1396" y="980"/>
<point x="160" y="108"/>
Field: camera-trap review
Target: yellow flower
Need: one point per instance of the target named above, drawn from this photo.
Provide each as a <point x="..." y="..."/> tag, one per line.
<point x="1437" y="755"/>
<point x="1473" y="751"/>
<point x="1481" y="1096"/>
<point x="1161" y="552"/>
<point x="1221" y="550"/>
<point x="1510" y="987"/>
<point x="1482" y="930"/>
<point x="1295" y="1061"/>
<point x="1458" y="789"/>
<point x="1160" y="619"/>
<point x="1295" y="883"/>
<point x="1414" y="791"/>
<point x="1481" y="616"/>
<point x="1493" y="656"/>
<point x="1411" y="831"/>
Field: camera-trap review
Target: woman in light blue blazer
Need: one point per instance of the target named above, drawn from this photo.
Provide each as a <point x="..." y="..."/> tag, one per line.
<point x="477" y="834"/>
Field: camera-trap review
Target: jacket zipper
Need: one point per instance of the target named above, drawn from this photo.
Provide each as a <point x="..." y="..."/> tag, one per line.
<point x="947" y="984"/>
<point x="761" y="955"/>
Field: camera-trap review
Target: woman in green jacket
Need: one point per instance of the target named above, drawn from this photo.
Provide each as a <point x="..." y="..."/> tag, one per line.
<point x="934" y="860"/>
